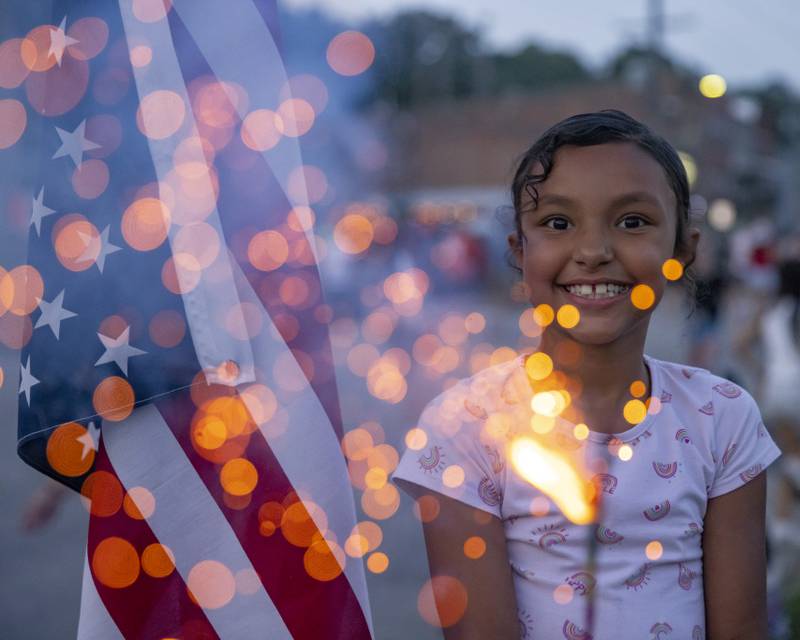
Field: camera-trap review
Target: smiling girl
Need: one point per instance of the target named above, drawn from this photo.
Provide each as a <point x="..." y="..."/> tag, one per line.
<point x="677" y="454"/>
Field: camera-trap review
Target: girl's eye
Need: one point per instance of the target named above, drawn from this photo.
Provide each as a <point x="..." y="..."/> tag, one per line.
<point x="633" y="222"/>
<point x="557" y="223"/>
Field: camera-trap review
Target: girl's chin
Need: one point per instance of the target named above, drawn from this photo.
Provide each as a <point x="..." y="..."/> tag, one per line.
<point x="592" y="335"/>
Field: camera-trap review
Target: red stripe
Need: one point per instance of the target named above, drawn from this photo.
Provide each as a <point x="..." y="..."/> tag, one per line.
<point x="150" y="607"/>
<point x="311" y="609"/>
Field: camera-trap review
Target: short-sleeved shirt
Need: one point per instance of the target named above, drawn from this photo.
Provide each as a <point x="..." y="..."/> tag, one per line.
<point x="702" y="437"/>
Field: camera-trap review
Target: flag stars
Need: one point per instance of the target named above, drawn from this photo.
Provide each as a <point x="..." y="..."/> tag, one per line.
<point x="74" y="143"/>
<point x="90" y="440"/>
<point x="92" y="252"/>
<point x="53" y="313"/>
<point x="118" y="350"/>
<point x="59" y="41"/>
<point x="38" y="211"/>
<point x="27" y="380"/>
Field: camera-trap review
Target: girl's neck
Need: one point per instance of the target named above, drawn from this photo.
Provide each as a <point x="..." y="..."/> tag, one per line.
<point x="604" y="372"/>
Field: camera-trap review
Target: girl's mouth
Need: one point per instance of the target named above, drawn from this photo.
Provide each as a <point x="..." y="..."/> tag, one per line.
<point x="596" y="291"/>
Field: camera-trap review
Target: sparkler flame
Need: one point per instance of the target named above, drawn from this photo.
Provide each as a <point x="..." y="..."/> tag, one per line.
<point x="556" y="477"/>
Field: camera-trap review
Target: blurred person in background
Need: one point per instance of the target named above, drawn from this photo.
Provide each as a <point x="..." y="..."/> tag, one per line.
<point x="775" y="333"/>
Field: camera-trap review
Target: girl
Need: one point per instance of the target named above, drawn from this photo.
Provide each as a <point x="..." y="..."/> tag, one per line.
<point x="677" y="549"/>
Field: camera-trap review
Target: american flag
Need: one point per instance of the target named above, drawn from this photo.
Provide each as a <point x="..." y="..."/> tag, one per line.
<point x="176" y="368"/>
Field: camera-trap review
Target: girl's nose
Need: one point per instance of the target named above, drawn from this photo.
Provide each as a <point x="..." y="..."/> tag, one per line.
<point x="593" y="249"/>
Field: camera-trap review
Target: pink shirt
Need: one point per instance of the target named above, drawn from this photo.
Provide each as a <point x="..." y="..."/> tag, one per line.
<point x="703" y="437"/>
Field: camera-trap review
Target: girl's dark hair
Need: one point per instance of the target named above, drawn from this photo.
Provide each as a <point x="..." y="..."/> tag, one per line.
<point x="601" y="127"/>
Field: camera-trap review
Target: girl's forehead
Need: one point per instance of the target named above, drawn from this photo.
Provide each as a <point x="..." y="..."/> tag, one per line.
<point x="605" y="169"/>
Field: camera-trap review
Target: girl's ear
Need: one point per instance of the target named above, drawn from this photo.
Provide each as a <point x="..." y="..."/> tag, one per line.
<point x="515" y="246"/>
<point x="688" y="253"/>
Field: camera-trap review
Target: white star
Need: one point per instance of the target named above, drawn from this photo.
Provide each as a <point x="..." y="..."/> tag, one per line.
<point x="118" y="350"/>
<point x="106" y="248"/>
<point x="39" y="211"/>
<point x="59" y="41"/>
<point x="90" y="440"/>
<point x="53" y="313"/>
<point x="27" y="380"/>
<point x="74" y="144"/>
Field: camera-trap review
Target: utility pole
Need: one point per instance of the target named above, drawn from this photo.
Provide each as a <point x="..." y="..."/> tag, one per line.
<point x="655" y="47"/>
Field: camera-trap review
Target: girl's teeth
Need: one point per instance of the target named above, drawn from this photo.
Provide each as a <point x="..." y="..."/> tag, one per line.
<point x="603" y="290"/>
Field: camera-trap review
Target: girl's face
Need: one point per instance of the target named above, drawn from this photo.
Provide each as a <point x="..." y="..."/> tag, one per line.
<point x="606" y="215"/>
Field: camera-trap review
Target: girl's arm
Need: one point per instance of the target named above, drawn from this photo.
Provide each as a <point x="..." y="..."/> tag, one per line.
<point x="734" y="564"/>
<point x="491" y="603"/>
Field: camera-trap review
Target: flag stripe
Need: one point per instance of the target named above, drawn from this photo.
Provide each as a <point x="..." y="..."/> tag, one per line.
<point x="95" y="623"/>
<point x="188" y="521"/>
<point x="336" y="611"/>
<point x="310" y="453"/>
<point x="150" y="607"/>
<point x="206" y="301"/>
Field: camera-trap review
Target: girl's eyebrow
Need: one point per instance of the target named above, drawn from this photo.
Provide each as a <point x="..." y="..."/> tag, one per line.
<point x="632" y="197"/>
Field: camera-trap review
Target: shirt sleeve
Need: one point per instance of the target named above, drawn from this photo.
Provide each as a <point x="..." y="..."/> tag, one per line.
<point x="743" y="447"/>
<point x="451" y="458"/>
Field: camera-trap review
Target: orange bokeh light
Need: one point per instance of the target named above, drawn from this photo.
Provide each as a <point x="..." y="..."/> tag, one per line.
<point x="65" y="452"/>
<point x="76" y="242"/>
<point x="442" y="601"/>
<point x="21" y="290"/>
<point x="113" y="398"/>
<point x="323" y="560"/>
<point x="158" y="561"/>
<point x="145" y="224"/>
<point x="115" y="563"/>
<point x="261" y="130"/>
<point x="12" y="69"/>
<point x="295" y="117"/>
<point x="160" y="114"/>
<point x="350" y="53"/>
<point x="151" y="10"/>
<point x="267" y="250"/>
<point x="298" y="526"/>
<point x="139" y="503"/>
<point x="211" y="584"/>
<point x="238" y="477"/>
<point x="13" y="120"/>
<point x="353" y="234"/>
<point x="104" y="493"/>
<point x="90" y="179"/>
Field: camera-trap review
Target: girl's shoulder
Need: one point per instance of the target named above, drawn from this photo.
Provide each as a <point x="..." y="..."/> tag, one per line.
<point x="698" y="389"/>
<point x="694" y="380"/>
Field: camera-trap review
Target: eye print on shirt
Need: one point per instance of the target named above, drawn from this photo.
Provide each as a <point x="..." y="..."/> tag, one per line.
<point x="751" y="472"/>
<point x="729" y="453"/>
<point x="433" y="460"/>
<point x="489" y="493"/>
<point x="473" y="408"/>
<point x="582" y="582"/>
<point x="605" y="482"/>
<point x="657" y="512"/>
<point x="660" y="631"/>
<point x="498" y="464"/>
<point x="639" y="579"/>
<point x="685" y="577"/>
<point x="604" y="535"/>
<point x="666" y="396"/>
<point x="525" y="625"/>
<point x="707" y="408"/>
<point x="572" y="631"/>
<point x="665" y="470"/>
<point x="550" y="535"/>
<point x="728" y="390"/>
<point x="682" y="435"/>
